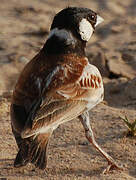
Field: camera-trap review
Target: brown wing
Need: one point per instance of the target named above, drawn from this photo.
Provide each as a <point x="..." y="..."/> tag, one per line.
<point x="65" y="99"/>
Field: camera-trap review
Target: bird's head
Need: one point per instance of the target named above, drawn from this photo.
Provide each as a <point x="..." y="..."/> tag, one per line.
<point x="72" y="27"/>
<point x="80" y="21"/>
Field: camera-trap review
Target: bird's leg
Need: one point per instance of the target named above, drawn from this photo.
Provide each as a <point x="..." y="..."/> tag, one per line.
<point x="84" y="118"/>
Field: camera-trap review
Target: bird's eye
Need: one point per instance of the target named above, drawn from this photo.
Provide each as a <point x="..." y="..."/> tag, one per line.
<point x="92" y="17"/>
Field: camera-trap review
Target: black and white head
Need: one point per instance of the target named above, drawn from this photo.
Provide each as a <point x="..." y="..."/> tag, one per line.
<point x="72" y="25"/>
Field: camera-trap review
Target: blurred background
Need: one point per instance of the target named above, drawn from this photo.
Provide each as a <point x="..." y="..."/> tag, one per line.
<point x="24" y="27"/>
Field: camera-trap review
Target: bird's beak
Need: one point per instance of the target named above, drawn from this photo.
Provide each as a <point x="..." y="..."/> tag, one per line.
<point x="99" y="20"/>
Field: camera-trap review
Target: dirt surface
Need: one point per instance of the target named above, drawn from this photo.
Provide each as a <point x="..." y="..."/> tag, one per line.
<point x="24" y="28"/>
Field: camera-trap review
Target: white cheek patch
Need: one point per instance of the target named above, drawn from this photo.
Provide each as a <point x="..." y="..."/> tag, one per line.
<point x="85" y="29"/>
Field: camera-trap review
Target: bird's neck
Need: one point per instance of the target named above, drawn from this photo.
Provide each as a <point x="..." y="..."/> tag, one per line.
<point x="62" y="42"/>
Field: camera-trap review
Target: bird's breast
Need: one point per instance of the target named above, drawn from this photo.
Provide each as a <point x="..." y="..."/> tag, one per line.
<point x="91" y="85"/>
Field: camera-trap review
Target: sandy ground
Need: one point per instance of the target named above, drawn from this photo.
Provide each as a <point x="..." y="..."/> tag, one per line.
<point x="24" y="28"/>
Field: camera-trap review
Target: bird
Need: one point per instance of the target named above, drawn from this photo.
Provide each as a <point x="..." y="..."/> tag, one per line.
<point x="56" y="86"/>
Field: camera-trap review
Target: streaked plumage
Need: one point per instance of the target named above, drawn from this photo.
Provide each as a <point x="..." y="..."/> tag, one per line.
<point x="56" y="86"/>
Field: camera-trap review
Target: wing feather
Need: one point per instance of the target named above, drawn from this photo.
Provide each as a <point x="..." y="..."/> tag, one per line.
<point x="65" y="97"/>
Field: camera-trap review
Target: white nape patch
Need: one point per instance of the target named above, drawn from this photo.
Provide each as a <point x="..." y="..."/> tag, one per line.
<point x="52" y="32"/>
<point x="85" y="29"/>
<point x="99" y="20"/>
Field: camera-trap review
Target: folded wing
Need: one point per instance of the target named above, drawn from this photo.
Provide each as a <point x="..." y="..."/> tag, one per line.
<point x="64" y="97"/>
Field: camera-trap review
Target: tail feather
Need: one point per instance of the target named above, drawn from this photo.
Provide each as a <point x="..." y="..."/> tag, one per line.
<point x="22" y="156"/>
<point x="41" y="161"/>
<point x="33" y="150"/>
<point x="39" y="156"/>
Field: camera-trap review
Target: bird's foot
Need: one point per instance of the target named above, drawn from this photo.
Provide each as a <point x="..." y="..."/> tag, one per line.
<point x="112" y="166"/>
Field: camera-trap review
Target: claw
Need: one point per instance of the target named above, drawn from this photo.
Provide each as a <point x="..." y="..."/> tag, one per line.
<point x="112" y="166"/>
<point x="89" y="135"/>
